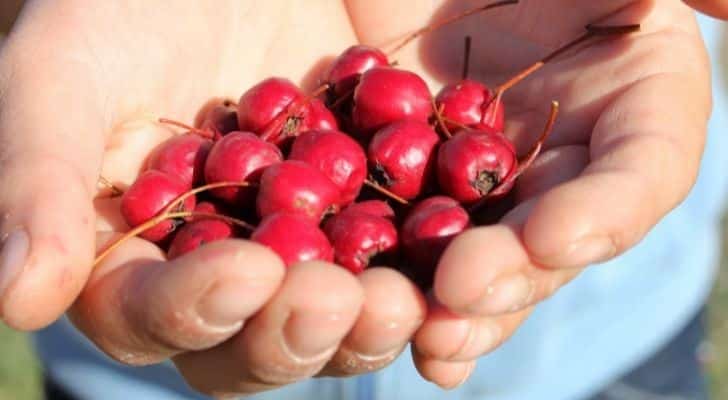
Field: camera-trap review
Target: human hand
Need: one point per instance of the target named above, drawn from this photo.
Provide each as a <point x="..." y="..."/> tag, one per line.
<point x="81" y="88"/>
<point x="626" y="150"/>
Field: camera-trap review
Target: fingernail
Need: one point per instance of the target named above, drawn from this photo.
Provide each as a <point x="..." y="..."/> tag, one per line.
<point x="592" y="250"/>
<point x="483" y="337"/>
<point x="227" y="305"/>
<point x="13" y="256"/>
<point x="505" y="295"/>
<point x="309" y="335"/>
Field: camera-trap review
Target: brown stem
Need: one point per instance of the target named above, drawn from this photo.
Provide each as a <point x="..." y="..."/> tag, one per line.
<point x="115" y="191"/>
<point x="341" y="100"/>
<point x="527" y="161"/>
<point x="321" y="89"/>
<point x="592" y="31"/>
<point x="163" y="217"/>
<point x="386" y="192"/>
<point x="438" y="116"/>
<point x="184" y="196"/>
<point x="447" y="21"/>
<point x="203" y="133"/>
<point x="466" y="58"/>
<point x="458" y="124"/>
<point x="138" y="230"/>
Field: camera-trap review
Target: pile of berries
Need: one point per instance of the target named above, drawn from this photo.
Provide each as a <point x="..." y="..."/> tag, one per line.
<point x="370" y="169"/>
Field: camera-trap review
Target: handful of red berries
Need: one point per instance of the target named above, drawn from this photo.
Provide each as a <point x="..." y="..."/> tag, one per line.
<point x="368" y="169"/>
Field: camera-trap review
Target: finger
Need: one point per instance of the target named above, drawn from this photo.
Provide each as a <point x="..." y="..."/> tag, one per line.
<point x="393" y="310"/>
<point x="445" y="374"/>
<point x="51" y="133"/>
<point x="140" y="309"/>
<point x="552" y="168"/>
<point x="645" y="154"/>
<point x="716" y="8"/>
<point x="501" y="278"/>
<point x="446" y="336"/>
<point x="292" y="338"/>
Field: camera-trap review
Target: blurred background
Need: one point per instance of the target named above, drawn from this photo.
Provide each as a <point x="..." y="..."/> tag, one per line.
<point x="20" y="373"/>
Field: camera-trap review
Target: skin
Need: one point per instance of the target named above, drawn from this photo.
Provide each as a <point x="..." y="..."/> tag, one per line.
<point x="632" y="115"/>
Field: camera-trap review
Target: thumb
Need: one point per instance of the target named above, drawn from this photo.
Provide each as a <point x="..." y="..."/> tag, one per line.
<point x="715" y="8"/>
<point x="51" y="144"/>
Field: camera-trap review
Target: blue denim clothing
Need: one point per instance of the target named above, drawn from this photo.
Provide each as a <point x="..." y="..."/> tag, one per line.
<point x="598" y="328"/>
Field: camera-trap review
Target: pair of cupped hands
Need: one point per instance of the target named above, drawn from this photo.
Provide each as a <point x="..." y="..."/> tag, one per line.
<point x="81" y="86"/>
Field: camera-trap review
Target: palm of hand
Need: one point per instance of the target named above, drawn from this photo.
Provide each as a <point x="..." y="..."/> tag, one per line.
<point x="137" y="63"/>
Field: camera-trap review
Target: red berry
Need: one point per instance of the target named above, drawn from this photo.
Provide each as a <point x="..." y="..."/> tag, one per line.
<point x="237" y="157"/>
<point x="207" y="208"/>
<point x="262" y="103"/>
<point x="376" y="208"/>
<point x="428" y="230"/>
<point x="148" y="196"/>
<point x="337" y="155"/>
<point x="468" y="103"/>
<point x="387" y="95"/>
<point x="182" y="156"/>
<point x="296" y="187"/>
<point x="317" y="116"/>
<point x="197" y="233"/>
<point x="294" y="238"/>
<point x="358" y="237"/>
<point x="402" y="157"/>
<point x="473" y="163"/>
<point x="346" y="69"/>
<point x="221" y="119"/>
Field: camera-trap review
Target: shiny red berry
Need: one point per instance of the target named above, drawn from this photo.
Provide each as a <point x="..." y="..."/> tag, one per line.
<point x="469" y="103"/>
<point x="237" y="157"/>
<point x="346" y="69"/>
<point x="358" y="238"/>
<point x="296" y="187"/>
<point x="295" y="238"/>
<point x="183" y="156"/>
<point x="337" y="155"/>
<point x="385" y="95"/>
<point x="197" y="233"/>
<point x="376" y="208"/>
<point x="473" y="163"/>
<point x="428" y="230"/>
<point x="262" y="103"/>
<point x="149" y="195"/>
<point x="402" y="157"/>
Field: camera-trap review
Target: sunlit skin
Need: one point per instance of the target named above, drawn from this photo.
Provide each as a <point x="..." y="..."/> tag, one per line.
<point x="82" y="85"/>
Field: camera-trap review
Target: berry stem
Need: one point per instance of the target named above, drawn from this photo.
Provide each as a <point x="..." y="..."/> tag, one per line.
<point x="386" y="192"/>
<point x="138" y="230"/>
<point x="184" y="196"/>
<point x="440" y="121"/>
<point x="592" y="31"/>
<point x="203" y="133"/>
<point x="163" y="217"/>
<point x="527" y="161"/>
<point x="115" y="191"/>
<point x="342" y="99"/>
<point x="466" y="58"/>
<point x="447" y="21"/>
